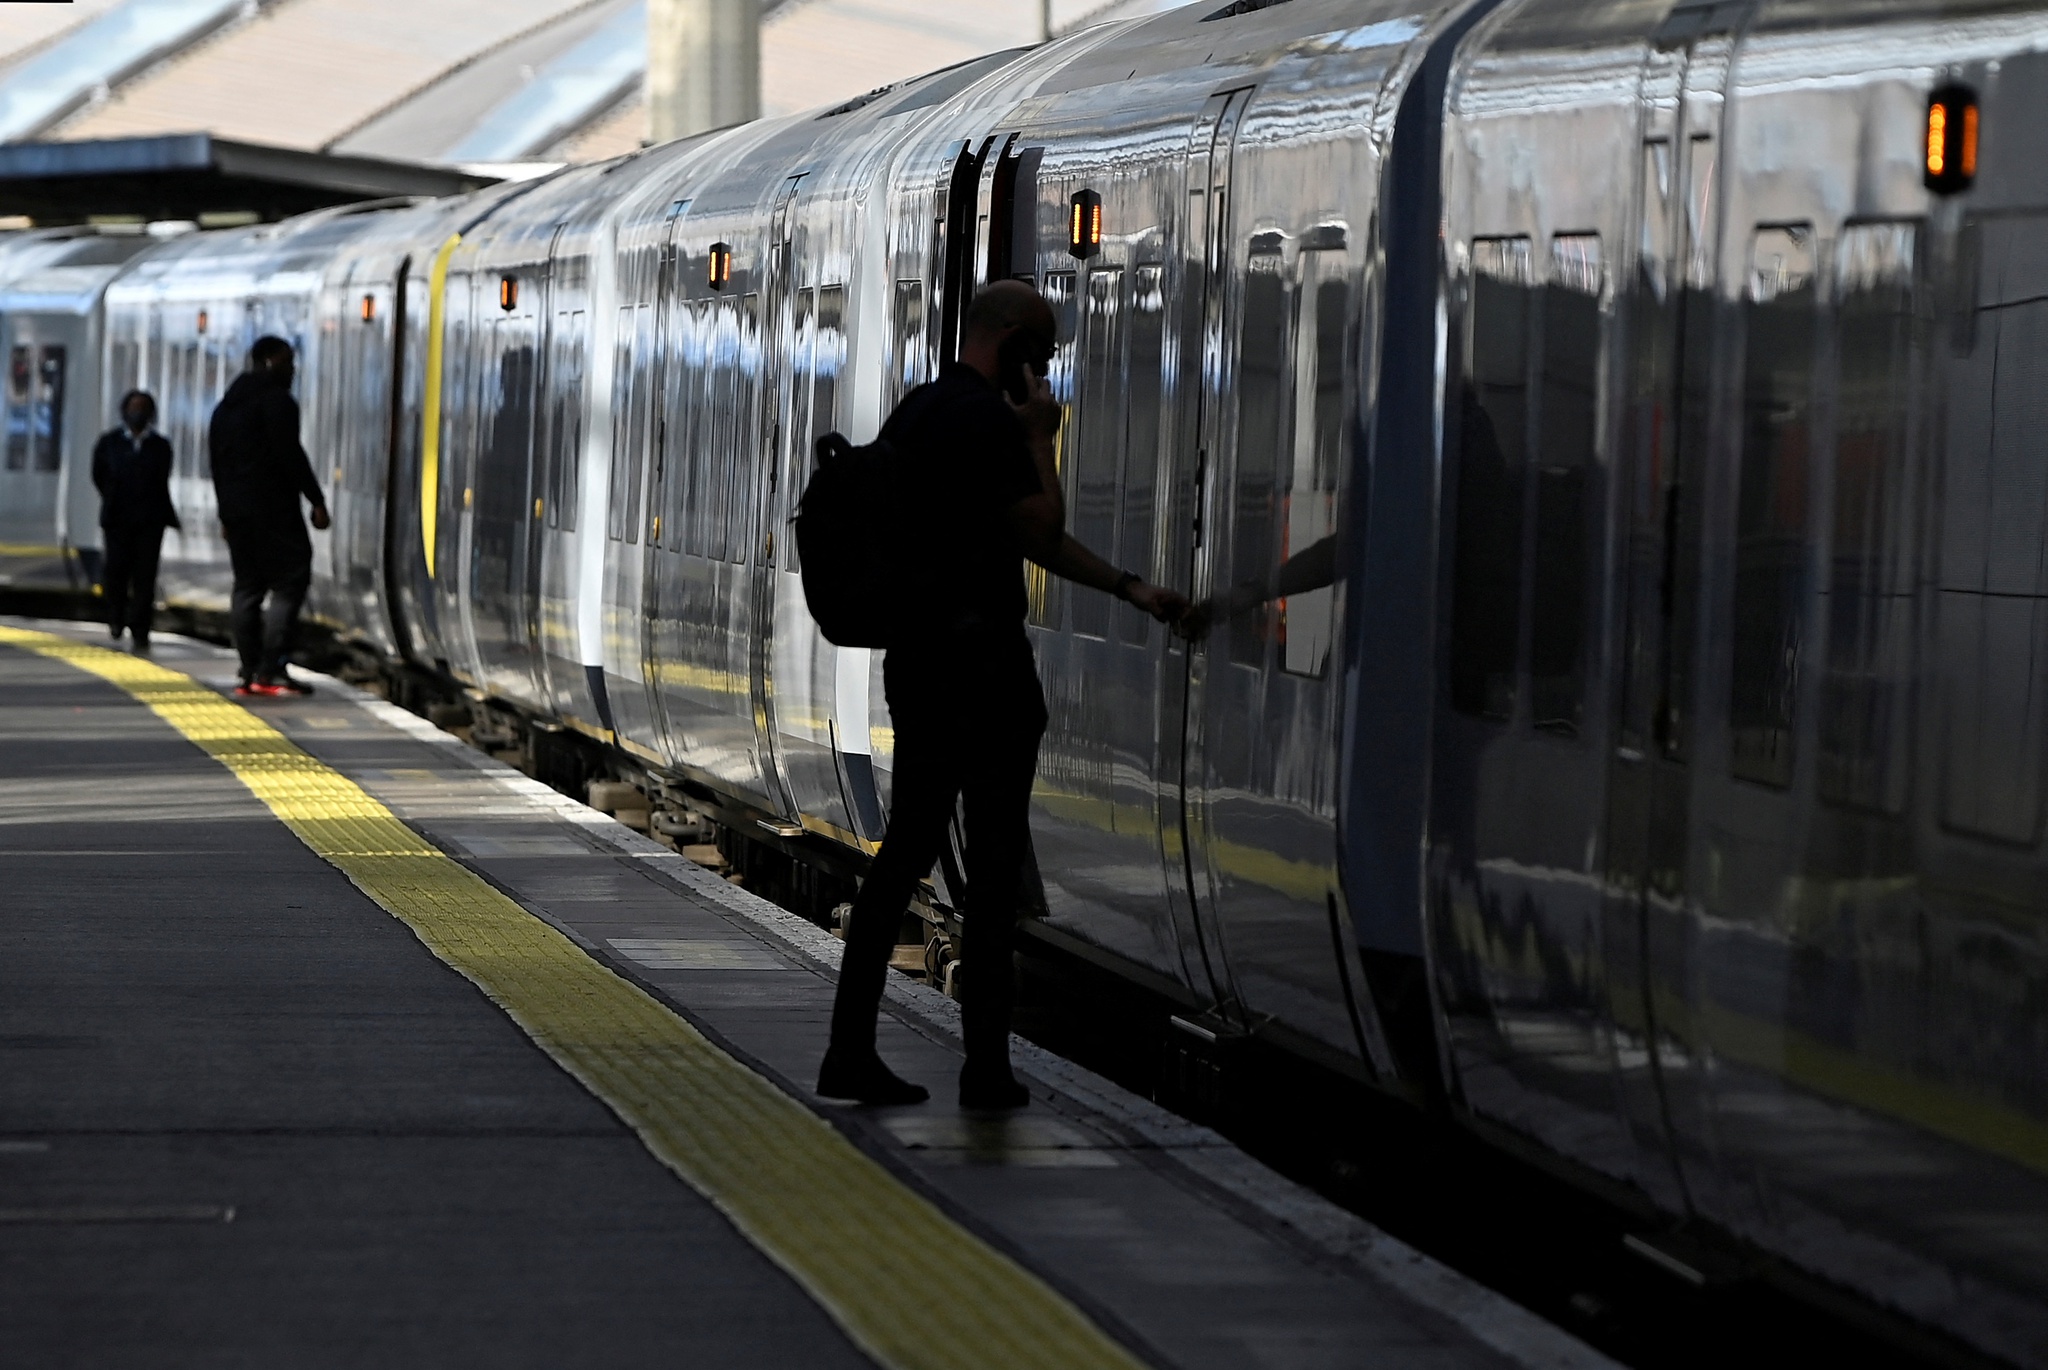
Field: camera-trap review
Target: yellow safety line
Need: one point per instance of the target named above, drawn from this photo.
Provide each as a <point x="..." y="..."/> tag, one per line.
<point x="907" y="1284"/>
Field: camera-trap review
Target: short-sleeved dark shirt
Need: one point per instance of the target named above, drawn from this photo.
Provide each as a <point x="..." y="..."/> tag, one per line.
<point x="965" y="464"/>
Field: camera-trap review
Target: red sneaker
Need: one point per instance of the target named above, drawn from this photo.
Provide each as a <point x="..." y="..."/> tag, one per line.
<point x="257" y="689"/>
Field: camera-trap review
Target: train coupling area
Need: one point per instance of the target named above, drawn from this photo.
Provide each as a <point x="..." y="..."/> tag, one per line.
<point x="329" y="1040"/>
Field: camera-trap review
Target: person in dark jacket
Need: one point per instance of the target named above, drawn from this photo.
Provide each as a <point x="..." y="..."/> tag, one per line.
<point x="260" y="473"/>
<point x="131" y="468"/>
<point x="976" y="451"/>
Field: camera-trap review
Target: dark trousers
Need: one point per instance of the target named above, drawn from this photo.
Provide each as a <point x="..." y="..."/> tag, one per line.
<point x="128" y="579"/>
<point x="967" y="727"/>
<point x="269" y="564"/>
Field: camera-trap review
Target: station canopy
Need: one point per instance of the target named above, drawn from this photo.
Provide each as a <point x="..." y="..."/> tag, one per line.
<point x="202" y="178"/>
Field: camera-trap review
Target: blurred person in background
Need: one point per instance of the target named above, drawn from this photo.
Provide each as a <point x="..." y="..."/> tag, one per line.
<point x="131" y="468"/>
<point x="260" y="473"/>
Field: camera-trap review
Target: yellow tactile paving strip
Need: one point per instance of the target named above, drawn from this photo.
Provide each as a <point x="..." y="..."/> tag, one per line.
<point x="912" y="1288"/>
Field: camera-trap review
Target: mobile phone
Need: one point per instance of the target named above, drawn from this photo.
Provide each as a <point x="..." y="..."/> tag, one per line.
<point x="1016" y="362"/>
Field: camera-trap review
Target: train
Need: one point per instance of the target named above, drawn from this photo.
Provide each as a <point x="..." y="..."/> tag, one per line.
<point x="1591" y="430"/>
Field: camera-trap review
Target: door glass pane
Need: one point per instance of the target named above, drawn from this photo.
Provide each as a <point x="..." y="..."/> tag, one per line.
<point x="1566" y="434"/>
<point x="796" y="435"/>
<point x="722" y="370"/>
<point x="1771" y="504"/>
<point x="48" y="423"/>
<point x="1870" y="585"/>
<point x="1493" y="423"/>
<point x="618" y="522"/>
<point x="913" y="366"/>
<point x="827" y="350"/>
<point x="1308" y="550"/>
<point x="1141" y="441"/>
<point x="567" y="428"/>
<point x="1099" y="430"/>
<point x="20" y="380"/>
<point x="745" y="440"/>
<point x="1042" y="590"/>
<point x="1265" y="418"/>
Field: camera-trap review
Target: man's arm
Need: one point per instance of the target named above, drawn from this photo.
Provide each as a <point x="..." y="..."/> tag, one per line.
<point x="1040" y="520"/>
<point x="285" y="438"/>
<point x="100" y="474"/>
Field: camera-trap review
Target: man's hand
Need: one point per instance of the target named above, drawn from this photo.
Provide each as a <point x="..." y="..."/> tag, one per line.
<point x="1168" y="606"/>
<point x="1040" y="413"/>
<point x="320" y="518"/>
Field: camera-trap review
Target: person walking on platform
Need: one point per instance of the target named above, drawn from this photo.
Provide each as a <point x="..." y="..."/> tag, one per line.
<point x="260" y="472"/>
<point x="980" y="489"/>
<point x="131" y="468"/>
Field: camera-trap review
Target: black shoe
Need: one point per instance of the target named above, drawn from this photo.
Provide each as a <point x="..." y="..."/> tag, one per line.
<point x="139" y="644"/>
<point x="867" y="1081"/>
<point x="291" y="684"/>
<point x="991" y="1091"/>
<point x="114" y="631"/>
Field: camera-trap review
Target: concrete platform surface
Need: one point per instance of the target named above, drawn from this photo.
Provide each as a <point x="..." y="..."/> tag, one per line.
<point x="249" y="1116"/>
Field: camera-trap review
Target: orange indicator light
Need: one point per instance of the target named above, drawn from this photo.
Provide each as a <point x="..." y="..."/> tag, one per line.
<point x="1084" y="224"/>
<point x="1951" y="148"/>
<point x="369" y="308"/>
<point x="508" y="293"/>
<point x="721" y="265"/>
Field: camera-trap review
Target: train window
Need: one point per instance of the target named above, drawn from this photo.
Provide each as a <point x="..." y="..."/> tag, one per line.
<point x="1871" y="583"/>
<point x="1098" y="435"/>
<point x="1140" y="405"/>
<point x="1041" y="590"/>
<point x="1493" y="420"/>
<point x="1264" y="416"/>
<point x="1304" y="578"/>
<point x="1771" y="533"/>
<point x="913" y="364"/>
<point x="566" y="432"/>
<point x="1993" y="612"/>
<point x="1566" y="432"/>
<point x="20" y="380"/>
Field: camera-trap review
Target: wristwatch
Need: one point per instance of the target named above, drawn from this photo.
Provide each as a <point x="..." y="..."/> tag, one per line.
<point x="1122" y="588"/>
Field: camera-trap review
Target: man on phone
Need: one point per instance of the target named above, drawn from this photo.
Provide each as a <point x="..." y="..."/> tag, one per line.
<point x="260" y="473"/>
<point x="981" y="492"/>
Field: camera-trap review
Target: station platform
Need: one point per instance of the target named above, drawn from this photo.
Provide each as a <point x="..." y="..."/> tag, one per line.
<point x="328" y="1040"/>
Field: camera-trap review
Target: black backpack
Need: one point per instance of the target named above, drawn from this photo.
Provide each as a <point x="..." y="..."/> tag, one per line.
<point x="851" y="543"/>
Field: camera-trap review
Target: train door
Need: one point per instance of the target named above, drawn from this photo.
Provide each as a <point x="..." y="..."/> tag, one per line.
<point x="543" y="483"/>
<point x="1260" y="788"/>
<point x="499" y="511"/>
<point x="558" y="583"/>
<point x="1662" y="476"/>
<point x="774" y="494"/>
<point x="1188" y="848"/>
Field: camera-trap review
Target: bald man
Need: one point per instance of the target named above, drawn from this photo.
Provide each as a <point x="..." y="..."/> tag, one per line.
<point x="982" y="494"/>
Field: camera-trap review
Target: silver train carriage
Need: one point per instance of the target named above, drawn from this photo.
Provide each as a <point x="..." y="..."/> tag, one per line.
<point x="1600" y="431"/>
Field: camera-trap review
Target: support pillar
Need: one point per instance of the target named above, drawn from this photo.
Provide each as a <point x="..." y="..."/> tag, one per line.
<point x="703" y="65"/>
